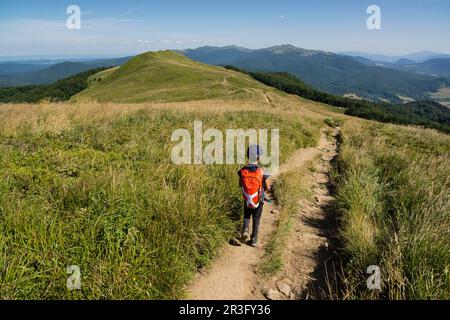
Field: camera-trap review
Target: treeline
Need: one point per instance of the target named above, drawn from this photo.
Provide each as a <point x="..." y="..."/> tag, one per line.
<point x="61" y="90"/>
<point x="424" y="113"/>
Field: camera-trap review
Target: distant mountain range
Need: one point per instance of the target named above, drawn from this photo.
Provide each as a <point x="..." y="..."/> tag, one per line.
<point x="413" y="57"/>
<point x="437" y="67"/>
<point x="329" y="72"/>
<point x="18" y="73"/>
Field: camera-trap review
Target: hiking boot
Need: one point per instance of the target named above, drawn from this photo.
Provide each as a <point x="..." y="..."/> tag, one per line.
<point x="254" y="242"/>
<point x="244" y="236"/>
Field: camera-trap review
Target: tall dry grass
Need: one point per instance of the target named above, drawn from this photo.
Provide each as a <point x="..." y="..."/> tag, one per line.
<point x="394" y="200"/>
<point x="93" y="185"/>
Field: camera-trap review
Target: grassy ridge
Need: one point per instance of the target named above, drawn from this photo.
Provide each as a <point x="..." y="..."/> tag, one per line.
<point x="169" y="77"/>
<point x="101" y="192"/>
<point x="393" y="196"/>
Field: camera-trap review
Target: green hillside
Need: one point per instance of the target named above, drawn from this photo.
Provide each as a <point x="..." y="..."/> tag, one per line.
<point x="167" y="77"/>
<point x="325" y="71"/>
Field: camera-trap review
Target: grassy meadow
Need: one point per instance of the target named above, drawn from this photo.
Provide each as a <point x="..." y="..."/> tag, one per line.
<point x="93" y="185"/>
<point x="393" y="198"/>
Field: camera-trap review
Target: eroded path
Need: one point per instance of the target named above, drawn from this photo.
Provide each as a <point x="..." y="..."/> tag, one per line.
<point x="234" y="276"/>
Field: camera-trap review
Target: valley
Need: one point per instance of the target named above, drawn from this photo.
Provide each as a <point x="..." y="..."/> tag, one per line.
<point x="442" y="96"/>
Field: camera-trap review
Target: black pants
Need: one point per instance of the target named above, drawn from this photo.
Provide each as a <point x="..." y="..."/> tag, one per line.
<point x="256" y="215"/>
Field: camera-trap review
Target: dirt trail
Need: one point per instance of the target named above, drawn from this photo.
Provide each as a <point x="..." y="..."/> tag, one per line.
<point x="269" y="100"/>
<point x="309" y="258"/>
<point x="234" y="276"/>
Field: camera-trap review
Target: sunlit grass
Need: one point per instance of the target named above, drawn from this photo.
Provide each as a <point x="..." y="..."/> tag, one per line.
<point x="93" y="185"/>
<point x="394" y="201"/>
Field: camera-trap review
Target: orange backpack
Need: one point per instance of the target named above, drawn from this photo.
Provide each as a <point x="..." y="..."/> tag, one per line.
<point x="252" y="187"/>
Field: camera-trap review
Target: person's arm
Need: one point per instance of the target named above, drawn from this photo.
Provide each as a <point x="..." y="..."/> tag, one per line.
<point x="267" y="183"/>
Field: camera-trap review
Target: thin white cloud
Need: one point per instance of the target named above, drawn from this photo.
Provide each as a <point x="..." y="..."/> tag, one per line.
<point x="133" y="10"/>
<point x="166" y="41"/>
<point x="144" y="41"/>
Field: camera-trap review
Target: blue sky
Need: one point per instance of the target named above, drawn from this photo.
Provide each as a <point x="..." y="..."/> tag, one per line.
<point x="121" y="27"/>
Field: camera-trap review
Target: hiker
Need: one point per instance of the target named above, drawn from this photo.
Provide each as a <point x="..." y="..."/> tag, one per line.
<point x="254" y="182"/>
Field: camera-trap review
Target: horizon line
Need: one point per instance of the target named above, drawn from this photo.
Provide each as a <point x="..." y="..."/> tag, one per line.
<point x="125" y="54"/>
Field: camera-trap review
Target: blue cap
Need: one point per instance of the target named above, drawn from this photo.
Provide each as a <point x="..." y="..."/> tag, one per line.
<point x="254" y="152"/>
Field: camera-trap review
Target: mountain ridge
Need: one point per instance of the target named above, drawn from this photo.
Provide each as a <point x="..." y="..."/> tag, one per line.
<point x="326" y="71"/>
<point x="417" y="57"/>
